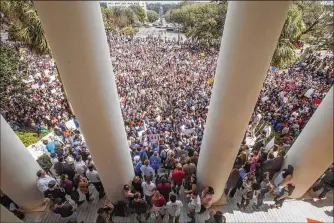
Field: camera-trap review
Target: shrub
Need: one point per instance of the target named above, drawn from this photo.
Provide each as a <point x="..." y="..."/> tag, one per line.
<point x="28" y="137"/>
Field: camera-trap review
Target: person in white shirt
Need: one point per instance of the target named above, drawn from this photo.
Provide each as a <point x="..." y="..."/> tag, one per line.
<point x="80" y="166"/>
<point x="194" y="206"/>
<point x="43" y="180"/>
<point x="174" y="209"/>
<point x="267" y="130"/>
<point x="93" y="176"/>
<point x="285" y="130"/>
<point x="148" y="190"/>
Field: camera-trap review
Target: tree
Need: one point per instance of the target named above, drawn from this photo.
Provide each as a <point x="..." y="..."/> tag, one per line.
<point x="318" y="18"/>
<point x="156" y="7"/>
<point x="152" y="16"/>
<point x="128" y="31"/>
<point x="202" y="22"/>
<point x="9" y="75"/>
<point x="139" y="11"/>
<point x="293" y="27"/>
<point x="25" y="25"/>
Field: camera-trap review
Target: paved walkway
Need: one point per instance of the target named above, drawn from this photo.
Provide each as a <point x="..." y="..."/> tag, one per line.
<point x="291" y="211"/>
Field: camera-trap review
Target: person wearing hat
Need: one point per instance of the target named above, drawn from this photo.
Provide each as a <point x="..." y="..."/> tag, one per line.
<point x="53" y="192"/>
<point x="43" y="180"/>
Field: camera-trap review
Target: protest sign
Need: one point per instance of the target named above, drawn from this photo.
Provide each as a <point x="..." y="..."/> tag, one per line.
<point x="270" y="144"/>
<point x="264" y="98"/>
<point x="154" y="137"/>
<point x="309" y="92"/>
<point x="211" y="80"/>
<point x="188" y="131"/>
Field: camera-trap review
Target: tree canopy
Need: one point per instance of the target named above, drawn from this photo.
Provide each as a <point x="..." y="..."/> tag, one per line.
<point x="156" y="7"/>
<point x="139" y="11"/>
<point x="152" y="16"/>
<point x="116" y="18"/>
<point x="201" y="22"/>
<point x="25" y="25"/>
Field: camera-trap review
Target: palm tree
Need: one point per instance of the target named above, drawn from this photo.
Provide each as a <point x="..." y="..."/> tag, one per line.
<point x="25" y="25"/>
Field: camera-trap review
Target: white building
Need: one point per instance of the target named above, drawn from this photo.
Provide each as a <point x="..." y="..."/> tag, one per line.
<point x="124" y="4"/>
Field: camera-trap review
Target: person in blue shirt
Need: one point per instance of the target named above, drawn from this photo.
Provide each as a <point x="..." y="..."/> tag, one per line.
<point x="155" y="162"/>
<point x="76" y="122"/>
<point x="137" y="165"/>
<point x="50" y="146"/>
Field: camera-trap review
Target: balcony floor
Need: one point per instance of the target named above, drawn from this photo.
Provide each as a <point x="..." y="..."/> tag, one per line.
<point x="292" y="211"/>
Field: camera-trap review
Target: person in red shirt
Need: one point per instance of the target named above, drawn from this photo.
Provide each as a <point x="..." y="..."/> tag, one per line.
<point x="158" y="202"/>
<point x="177" y="177"/>
<point x="164" y="188"/>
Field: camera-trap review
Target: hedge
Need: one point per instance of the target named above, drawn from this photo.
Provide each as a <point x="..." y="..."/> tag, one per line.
<point x="28" y="137"/>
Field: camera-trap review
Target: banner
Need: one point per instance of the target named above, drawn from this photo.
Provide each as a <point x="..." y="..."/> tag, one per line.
<point x="154" y="137"/>
<point x="270" y="144"/>
<point x="188" y="131"/>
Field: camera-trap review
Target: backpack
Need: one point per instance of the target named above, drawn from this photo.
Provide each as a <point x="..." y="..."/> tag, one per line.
<point x="164" y="153"/>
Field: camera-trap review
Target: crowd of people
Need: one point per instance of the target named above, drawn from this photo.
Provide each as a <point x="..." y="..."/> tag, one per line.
<point x="164" y="90"/>
<point x="41" y="103"/>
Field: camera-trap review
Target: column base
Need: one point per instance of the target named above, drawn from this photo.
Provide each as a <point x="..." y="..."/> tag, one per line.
<point x="222" y="201"/>
<point x="41" y="208"/>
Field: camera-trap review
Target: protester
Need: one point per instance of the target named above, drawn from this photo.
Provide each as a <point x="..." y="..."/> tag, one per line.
<point x="164" y="187"/>
<point x="53" y="192"/>
<point x="80" y="166"/>
<point x="105" y="213"/>
<point x="66" y="210"/>
<point x="177" y="177"/>
<point x="194" y="206"/>
<point x="206" y="198"/>
<point x="248" y="194"/>
<point x="216" y="217"/>
<point x="174" y="209"/>
<point x="94" y="178"/>
<point x="155" y="161"/>
<point x="61" y="167"/>
<point x="283" y="194"/>
<point x="140" y="207"/>
<point x="158" y="201"/>
<point x="148" y="190"/>
<point x="326" y="183"/>
<point x="43" y="180"/>
<point x="147" y="170"/>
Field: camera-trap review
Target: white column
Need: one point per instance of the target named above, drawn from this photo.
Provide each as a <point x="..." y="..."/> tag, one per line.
<point x="312" y="152"/>
<point x="7" y="216"/>
<point x="18" y="170"/>
<point x="75" y="32"/>
<point x="250" y="36"/>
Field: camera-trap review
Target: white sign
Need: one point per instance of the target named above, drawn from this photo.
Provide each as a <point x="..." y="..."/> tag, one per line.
<point x="309" y="92"/>
<point x="188" y="131"/>
<point x="154" y="137"/>
<point x="269" y="145"/>
<point x="264" y="98"/>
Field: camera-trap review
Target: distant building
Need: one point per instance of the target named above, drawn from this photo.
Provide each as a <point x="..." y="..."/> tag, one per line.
<point x="124" y="4"/>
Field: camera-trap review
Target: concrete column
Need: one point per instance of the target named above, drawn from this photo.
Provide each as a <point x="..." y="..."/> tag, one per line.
<point x="312" y="152"/>
<point x="18" y="170"/>
<point x="250" y="36"/>
<point x="75" y="32"/>
<point x="7" y="216"/>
